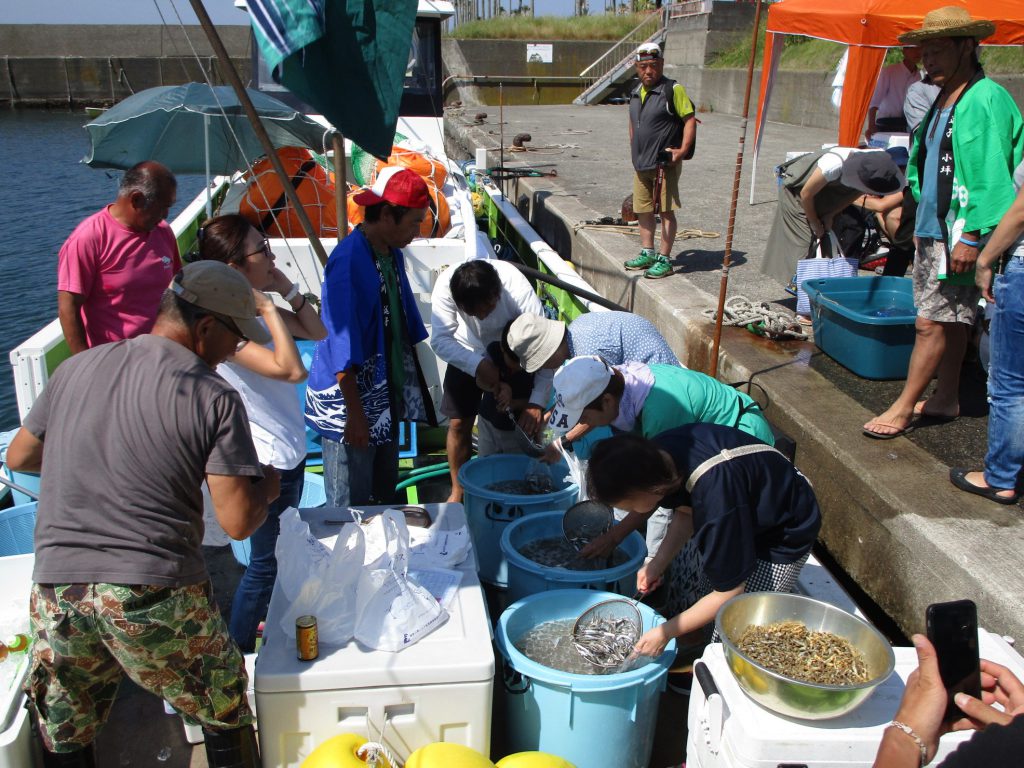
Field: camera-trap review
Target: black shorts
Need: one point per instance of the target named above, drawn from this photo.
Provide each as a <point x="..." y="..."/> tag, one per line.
<point x="463" y="399"/>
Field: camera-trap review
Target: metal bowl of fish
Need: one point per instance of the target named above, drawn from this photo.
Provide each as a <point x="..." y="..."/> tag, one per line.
<point x="801" y="657"/>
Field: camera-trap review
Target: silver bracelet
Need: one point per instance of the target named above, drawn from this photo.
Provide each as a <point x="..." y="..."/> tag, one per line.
<point x="917" y="739"/>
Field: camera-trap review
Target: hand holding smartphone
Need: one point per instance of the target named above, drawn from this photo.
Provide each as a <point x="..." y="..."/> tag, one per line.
<point x="953" y="630"/>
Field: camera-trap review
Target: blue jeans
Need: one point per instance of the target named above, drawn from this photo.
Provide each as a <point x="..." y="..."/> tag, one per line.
<point x="252" y="597"/>
<point x="1006" y="379"/>
<point x="359" y="476"/>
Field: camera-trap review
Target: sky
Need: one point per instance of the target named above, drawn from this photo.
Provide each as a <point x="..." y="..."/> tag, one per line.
<point x="145" y="11"/>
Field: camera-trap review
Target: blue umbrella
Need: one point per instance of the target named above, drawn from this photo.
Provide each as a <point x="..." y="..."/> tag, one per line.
<point x="194" y="128"/>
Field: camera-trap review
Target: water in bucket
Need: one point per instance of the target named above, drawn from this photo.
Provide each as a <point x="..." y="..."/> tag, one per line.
<point x="551" y="644"/>
<point x="556" y="552"/>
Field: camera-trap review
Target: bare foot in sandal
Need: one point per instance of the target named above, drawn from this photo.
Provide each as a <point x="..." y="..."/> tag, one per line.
<point x="889" y="425"/>
<point x="936" y="412"/>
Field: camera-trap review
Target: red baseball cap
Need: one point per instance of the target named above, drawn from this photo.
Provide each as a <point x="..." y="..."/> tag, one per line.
<point x="398" y="186"/>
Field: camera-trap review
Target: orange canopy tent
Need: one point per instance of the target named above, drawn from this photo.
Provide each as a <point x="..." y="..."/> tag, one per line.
<point x="868" y="27"/>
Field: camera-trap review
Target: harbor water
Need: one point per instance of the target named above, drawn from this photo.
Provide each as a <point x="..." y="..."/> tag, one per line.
<point x="46" y="194"/>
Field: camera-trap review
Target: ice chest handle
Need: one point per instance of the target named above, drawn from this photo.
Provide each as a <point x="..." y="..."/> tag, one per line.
<point x="711" y="717"/>
<point x="496" y="512"/>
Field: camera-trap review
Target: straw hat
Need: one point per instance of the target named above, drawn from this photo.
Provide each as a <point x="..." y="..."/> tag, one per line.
<point x="950" y="21"/>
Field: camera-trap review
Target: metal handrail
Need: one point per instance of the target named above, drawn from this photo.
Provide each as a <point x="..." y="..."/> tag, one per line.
<point x="633" y="38"/>
<point x="620" y="51"/>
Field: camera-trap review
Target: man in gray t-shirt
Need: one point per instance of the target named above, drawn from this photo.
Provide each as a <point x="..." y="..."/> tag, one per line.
<point x="131" y="429"/>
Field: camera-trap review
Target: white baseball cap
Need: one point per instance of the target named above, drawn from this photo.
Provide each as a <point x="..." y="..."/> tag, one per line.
<point x="577" y="384"/>
<point x="534" y="340"/>
<point x="648" y="51"/>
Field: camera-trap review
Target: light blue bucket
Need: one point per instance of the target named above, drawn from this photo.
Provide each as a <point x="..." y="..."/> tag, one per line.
<point x="593" y="721"/>
<point x="489" y="512"/>
<point x="526" y="577"/>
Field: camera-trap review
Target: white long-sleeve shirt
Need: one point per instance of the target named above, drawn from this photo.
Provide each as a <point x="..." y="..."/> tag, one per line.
<point x="462" y="340"/>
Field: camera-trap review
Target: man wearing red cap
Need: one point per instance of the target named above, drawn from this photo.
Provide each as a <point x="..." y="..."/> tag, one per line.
<point x="365" y="375"/>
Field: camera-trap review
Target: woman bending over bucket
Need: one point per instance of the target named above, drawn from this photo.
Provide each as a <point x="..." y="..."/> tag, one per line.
<point x="744" y="518"/>
<point x="265" y="376"/>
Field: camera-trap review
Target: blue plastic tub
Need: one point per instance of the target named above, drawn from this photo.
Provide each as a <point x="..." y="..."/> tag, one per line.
<point x="526" y="577"/>
<point x="593" y="721"/>
<point x="313" y="495"/>
<point x="27" y="480"/>
<point x="489" y="512"/>
<point x="17" y="529"/>
<point x="865" y="324"/>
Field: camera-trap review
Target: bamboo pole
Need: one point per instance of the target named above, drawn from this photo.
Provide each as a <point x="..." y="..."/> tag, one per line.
<point x="340" y="184"/>
<point x="257" y="126"/>
<point x="730" y="229"/>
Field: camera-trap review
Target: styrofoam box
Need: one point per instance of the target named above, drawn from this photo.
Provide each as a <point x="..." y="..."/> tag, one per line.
<point x="742" y="734"/>
<point x="17" y="748"/>
<point x="436" y="690"/>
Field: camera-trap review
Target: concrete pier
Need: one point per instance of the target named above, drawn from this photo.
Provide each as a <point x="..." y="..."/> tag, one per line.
<point x="892" y="518"/>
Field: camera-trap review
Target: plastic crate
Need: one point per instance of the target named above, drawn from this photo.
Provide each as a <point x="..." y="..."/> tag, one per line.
<point x="17" y="529"/>
<point x="865" y="324"/>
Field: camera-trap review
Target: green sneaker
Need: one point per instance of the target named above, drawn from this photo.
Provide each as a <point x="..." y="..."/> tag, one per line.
<point x="660" y="268"/>
<point x="645" y="260"/>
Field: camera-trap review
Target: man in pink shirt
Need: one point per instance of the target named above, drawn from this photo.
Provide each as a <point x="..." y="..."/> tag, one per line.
<point x="115" y="266"/>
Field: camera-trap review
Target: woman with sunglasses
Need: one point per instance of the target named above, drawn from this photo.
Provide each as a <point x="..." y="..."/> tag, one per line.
<point x="265" y="376"/>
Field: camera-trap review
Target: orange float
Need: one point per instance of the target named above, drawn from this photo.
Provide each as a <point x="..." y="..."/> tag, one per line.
<point x="267" y="208"/>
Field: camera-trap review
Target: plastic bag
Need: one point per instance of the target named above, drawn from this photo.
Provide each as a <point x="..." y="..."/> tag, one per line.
<point x="318" y="581"/>
<point x="577" y="470"/>
<point x="539" y="476"/>
<point x="430" y="547"/>
<point x="393" y="611"/>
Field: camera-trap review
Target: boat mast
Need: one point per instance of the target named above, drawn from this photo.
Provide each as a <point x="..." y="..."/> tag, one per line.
<point x="261" y="133"/>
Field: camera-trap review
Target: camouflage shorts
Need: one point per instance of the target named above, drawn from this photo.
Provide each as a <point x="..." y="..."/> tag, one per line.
<point x="172" y="641"/>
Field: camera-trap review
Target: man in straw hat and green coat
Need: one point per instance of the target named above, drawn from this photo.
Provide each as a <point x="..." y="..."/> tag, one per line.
<point x="961" y="172"/>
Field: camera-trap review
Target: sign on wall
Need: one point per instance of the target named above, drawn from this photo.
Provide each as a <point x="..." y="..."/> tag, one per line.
<point x="538" y="53"/>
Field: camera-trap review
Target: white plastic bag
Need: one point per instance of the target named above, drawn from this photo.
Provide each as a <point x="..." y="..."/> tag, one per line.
<point x="393" y="611"/>
<point x="577" y="470"/>
<point x="430" y="547"/>
<point x="318" y="581"/>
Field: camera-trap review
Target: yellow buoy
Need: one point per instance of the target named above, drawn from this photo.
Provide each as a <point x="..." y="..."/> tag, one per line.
<point x="340" y="751"/>
<point x="441" y="755"/>
<point x="534" y="760"/>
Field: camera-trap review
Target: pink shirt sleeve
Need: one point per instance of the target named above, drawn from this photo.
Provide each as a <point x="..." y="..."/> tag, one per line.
<point x="77" y="262"/>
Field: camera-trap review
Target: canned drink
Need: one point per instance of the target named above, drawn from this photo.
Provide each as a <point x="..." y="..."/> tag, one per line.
<point x="307" y="643"/>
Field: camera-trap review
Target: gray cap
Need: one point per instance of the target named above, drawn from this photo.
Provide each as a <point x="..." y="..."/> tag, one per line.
<point x="216" y="287"/>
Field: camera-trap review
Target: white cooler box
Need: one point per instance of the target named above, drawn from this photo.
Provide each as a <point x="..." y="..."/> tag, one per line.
<point x="436" y="690"/>
<point x="732" y="731"/>
<point x="18" y="749"/>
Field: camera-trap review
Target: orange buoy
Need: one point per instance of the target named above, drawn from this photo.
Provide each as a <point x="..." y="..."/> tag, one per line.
<point x="267" y="208"/>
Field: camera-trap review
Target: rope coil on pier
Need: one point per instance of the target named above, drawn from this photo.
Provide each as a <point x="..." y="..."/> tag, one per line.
<point x="759" y="319"/>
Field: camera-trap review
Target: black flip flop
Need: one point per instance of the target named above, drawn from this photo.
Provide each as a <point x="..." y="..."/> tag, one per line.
<point x="958" y="476"/>
<point x="892" y="436"/>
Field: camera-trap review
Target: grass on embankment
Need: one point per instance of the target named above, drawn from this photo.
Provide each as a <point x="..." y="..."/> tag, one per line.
<point x="805" y="53"/>
<point x="601" y="27"/>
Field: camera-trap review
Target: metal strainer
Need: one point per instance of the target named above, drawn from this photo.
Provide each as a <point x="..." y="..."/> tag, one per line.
<point x="606" y="634"/>
<point x="585" y="521"/>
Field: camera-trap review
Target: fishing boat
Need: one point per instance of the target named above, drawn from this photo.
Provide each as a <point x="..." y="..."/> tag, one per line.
<point x="421" y="131"/>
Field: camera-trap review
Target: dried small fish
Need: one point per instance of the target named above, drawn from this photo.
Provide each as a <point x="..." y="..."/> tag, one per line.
<point x="789" y="648"/>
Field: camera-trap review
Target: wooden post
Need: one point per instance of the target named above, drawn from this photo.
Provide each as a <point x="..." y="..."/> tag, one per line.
<point x="257" y="127"/>
<point x="727" y="256"/>
<point x="340" y="184"/>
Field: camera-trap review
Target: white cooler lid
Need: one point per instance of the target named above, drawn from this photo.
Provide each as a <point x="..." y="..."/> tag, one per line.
<point x="753" y="737"/>
<point x="459" y="651"/>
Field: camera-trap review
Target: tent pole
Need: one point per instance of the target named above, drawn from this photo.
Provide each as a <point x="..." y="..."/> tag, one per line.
<point x="727" y="257"/>
<point x="340" y="184"/>
<point x="243" y="97"/>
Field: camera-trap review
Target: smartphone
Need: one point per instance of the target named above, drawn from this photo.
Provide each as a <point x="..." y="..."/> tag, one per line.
<point x="953" y="630"/>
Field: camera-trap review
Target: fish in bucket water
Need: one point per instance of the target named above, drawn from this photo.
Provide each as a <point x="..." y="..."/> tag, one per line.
<point x="536" y="481"/>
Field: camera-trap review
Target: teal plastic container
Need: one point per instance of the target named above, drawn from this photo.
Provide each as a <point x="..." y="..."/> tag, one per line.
<point x="489" y="512"/>
<point x="17" y="529"/>
<point x="526" y="577"/>
<point x="593" y="721"/>
<point x="865" y="324"/>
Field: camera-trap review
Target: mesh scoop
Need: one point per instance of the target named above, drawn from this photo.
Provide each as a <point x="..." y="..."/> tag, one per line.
<point x="606" y="634"/>
<point x="585" y="521"/>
